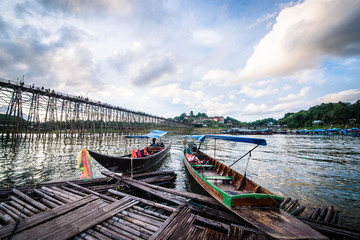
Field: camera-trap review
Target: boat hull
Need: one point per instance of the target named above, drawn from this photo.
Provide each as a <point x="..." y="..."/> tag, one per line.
<point x="259" y="209"/>
<point x="123" y="163"/>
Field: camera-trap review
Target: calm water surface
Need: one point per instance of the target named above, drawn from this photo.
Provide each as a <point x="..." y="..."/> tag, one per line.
<point x="316" y="170"/>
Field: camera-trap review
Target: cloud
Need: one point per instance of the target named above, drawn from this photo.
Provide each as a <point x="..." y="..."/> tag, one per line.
<point x="87" y="7"/>
<point x="257" y="92"/>
<point x="351" y="95"/>
<point x="61" y="61"/>
<point x="303" y="36"/>
<point x="177" y="94"/>
<point x="255" y="109"/>
<point x="206" y="37"/>
<point x="292" y="97"/>
<point x="217" y="77"/>
<point x="264" y="18"/>
<point x="153" y="71"/>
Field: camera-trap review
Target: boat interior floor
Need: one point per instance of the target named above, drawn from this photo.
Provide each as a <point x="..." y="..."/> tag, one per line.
<point x="221" y="181"/>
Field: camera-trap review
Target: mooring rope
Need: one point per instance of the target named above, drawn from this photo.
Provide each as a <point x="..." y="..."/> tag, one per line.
<point x="16" y="224"/>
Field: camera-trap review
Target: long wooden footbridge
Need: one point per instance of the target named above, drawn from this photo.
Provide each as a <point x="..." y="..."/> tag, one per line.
<point x="32" y="110"/>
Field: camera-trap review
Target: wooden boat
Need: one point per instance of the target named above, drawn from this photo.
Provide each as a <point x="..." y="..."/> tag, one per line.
<point x="128" y="164"/>
<point x="245" y="198"/>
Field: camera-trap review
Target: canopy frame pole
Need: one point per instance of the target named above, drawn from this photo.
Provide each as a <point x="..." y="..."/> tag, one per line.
<point x="249" y="152"/>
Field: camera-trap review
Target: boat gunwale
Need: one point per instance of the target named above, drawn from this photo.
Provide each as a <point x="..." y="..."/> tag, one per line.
<point x="231" y="197"/>
<point x="125" y="157"/>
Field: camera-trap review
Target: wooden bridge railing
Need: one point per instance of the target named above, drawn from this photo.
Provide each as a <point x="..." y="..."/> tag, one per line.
<point x="28" y="109"/>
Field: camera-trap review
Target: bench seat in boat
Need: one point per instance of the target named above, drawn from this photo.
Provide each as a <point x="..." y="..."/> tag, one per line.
<point x="204" y="165"/>
<point x="218" y="177"/>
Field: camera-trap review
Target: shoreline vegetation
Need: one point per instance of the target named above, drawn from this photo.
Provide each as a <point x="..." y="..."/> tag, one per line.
<point x="325" y="116"/>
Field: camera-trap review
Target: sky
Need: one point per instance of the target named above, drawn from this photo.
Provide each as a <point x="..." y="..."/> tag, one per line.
<point x="248" y="60"/>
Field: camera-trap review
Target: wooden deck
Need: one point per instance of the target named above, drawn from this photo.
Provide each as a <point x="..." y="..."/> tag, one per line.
<point x="95" y="210"/>
<point x="67" y="210"/>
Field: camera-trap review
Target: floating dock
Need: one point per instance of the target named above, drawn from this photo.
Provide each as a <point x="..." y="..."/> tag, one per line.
<point x="104" y="208"/>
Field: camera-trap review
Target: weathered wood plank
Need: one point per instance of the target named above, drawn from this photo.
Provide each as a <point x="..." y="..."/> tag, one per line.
<point x="44" y="216"/>
<point x="92" y="192"/>
<point x="193" y="196"/>
<point x="76" y="227"/>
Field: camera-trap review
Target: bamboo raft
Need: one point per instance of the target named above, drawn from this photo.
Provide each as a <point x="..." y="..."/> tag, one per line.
<point x="96" y="210"/>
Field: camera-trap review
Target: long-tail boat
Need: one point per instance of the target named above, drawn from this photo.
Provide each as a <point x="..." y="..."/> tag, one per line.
<point x="245" y="198"/>
<point x="150" y="156"/>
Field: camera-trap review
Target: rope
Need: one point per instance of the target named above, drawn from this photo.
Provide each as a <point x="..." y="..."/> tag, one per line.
<point x="16" y="224"/>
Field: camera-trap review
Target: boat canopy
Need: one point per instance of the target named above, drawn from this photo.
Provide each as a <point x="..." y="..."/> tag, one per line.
<point x="152" y="134"/>
<point x="258" y="141"/>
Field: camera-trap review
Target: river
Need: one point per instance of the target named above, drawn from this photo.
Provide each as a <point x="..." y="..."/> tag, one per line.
<point x="316" y="170"/>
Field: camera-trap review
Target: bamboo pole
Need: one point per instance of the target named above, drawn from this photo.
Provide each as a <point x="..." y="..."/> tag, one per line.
<point x="6" y="219"/>
<point x="110" y="233"/>
<point x="97" y="235"/>
<point x="147" y="220"/>
<point x="128" y="228"/>
<point x="21" y="208"/>
<point x="48" y="203"/>
<point x="155" y="214"/>
<point x="137" y="222"/>
<point x="28" y="199"/>
<point x="44" y="195"/>
<point x="148" y="202"/>
<point x="10" y="211"/>
<point x="27" y="206"/>
<point x="92" y="192"/>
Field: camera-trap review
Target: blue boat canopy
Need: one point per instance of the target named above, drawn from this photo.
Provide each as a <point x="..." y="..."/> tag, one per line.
<point x="258" y="141"/>
<point x="152" y="134"/>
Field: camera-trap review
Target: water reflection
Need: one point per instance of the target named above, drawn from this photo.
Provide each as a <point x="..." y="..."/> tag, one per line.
<point x="317" y="170"/>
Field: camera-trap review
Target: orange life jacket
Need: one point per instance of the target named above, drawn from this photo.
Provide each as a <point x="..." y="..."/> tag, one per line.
<point x="146" y="152"/>
<point x="133" y="153"/>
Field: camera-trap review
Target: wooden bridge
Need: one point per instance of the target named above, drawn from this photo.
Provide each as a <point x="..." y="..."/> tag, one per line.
<point x="35" y="111"/>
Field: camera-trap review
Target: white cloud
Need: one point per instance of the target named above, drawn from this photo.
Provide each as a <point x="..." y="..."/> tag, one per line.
<point x="303" y="35"/>
<point x="292" y="97"/>
<point x="255" y="109"/>
<point x="263" y="19"/>
<point x="206" y="37"/>
<point x="351" y="95"/>
<point x="256" y="92"/>
<point x="217" y="77"/>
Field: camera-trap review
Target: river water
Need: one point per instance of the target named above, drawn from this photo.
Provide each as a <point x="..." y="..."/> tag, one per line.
<point x="316" y="170"/>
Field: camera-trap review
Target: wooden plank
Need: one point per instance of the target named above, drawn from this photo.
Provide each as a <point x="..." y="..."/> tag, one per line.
<point x="166" y="223"/>
<point x="278" y="223"/>
<point x="78" y="226"/>
<point x="205" y="165"/>
<point x="193" y="196"/>
<point x="44" y="216"/>
<point x="92" y="192"/>
<point x="151" y="203"/>
<point x="218" y="177"/>
<point x="56" y="223"/>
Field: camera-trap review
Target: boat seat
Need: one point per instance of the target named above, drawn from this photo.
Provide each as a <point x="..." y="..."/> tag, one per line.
<point x="218" y="177"/>
<point x="203" y="165"/>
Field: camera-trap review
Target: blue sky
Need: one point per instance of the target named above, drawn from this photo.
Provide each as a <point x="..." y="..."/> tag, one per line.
<point x="244" y="59"/>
